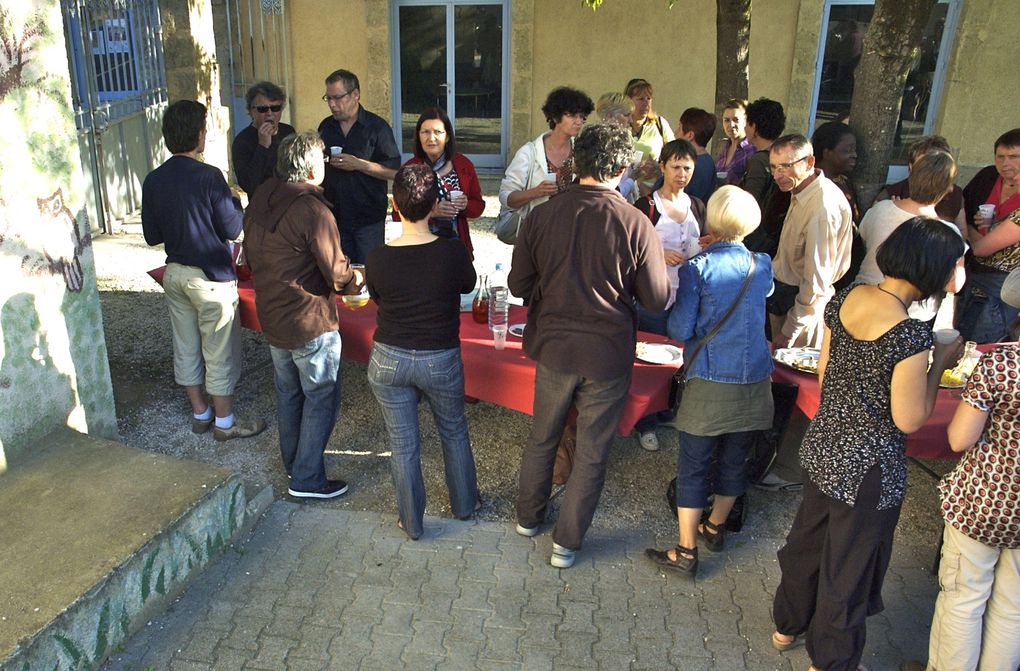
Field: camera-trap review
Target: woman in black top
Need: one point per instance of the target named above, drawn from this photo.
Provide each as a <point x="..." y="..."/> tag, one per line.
<point x="876" y="388"/>
<point x="416" y="280"/>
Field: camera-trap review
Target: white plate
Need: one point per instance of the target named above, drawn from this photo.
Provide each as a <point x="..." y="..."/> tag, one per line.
<point x="517" y="330"/>
<point x="658" y="352"/>
<point x="804" y="359"/>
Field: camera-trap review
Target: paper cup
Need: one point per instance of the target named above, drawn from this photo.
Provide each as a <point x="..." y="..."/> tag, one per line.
<point x="335" y="151"/>
<point x="946" y="336"/>
<point x="550" y="176"/>
<point x="988" y="212"/>
<point x="499" y="337"/>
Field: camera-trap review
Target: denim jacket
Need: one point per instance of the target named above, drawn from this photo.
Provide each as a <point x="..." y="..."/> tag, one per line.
<point x="709" y="283"/>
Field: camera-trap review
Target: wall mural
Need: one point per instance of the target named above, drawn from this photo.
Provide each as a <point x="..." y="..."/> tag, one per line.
<point x="53" y="362"/>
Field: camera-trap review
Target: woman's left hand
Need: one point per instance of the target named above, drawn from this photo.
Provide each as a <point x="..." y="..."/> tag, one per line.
<point x="673" y="257"/>
<point x="460" y="202"/>
<point x="444" y="209"/>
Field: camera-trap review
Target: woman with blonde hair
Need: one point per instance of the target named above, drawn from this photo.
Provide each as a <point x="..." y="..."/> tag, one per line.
<point x="616" y="108"/>
<point x="719" y="315"/>
<point x="651" y="131"/>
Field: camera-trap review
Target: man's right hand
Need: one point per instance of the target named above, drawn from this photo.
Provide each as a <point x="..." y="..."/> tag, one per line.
<point x="266" y="133"/>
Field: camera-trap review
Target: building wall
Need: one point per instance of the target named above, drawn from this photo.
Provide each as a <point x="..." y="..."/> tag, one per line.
<point x="980" y="93"/>
<point x="53" y="362"/>
<point x="325" y="36"/>
<point x="557" y="43"/>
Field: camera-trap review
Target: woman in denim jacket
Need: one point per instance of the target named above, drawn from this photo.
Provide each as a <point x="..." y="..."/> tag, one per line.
<point x="728" y="396"/>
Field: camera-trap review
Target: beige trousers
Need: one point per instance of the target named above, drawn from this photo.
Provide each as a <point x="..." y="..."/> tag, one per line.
<point x="206" y="329"/>
<point x="977" y="613"/>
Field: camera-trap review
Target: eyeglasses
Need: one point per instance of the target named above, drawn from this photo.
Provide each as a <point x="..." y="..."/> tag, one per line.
<point x="335" y="99"/>
<point x="425" y="132"/>
<point x="262" y="109"/>
<point x="786" y="166"/>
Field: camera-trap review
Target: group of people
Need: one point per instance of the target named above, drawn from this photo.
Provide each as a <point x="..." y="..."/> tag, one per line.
<point x="624" y="225"/>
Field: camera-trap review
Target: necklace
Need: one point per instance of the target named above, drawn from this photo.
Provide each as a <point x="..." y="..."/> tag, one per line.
<point x="902" y="302"/>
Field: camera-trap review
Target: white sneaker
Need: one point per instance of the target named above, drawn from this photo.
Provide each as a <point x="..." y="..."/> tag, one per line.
<point x="649" y="441"/>
<point x="561" y="557"/>
<point x="527" y="531"/>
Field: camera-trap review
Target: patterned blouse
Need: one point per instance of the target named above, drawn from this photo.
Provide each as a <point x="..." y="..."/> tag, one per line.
<point x="981" y="496"/>
<point x="854" y="429"/>
<point x="1006" y="259"/>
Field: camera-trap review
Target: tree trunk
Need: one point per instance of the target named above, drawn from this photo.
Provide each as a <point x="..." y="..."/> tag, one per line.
<point x="732" y="37"/>
<point x="890" y="48"/>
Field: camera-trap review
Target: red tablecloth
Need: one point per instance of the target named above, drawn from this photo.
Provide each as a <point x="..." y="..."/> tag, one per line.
<point x="504" y="377"/>
<point x="928" y="442"/>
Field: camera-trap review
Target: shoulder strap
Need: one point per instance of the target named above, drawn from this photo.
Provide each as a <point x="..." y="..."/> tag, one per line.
<point x="719" y="324"/>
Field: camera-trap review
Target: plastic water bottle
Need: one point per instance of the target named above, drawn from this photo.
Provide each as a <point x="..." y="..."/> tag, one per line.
<point x="499" y="304"/>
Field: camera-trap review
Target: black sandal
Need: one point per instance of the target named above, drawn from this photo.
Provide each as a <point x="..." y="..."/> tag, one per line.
<point x="686" y="559"/>
<point x="713" y="535"/>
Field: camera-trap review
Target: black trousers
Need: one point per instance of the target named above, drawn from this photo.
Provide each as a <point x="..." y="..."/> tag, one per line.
<point x="833" y="565"/>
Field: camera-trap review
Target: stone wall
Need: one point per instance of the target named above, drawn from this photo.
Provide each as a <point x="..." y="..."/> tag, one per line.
<point x="53" y="362"/>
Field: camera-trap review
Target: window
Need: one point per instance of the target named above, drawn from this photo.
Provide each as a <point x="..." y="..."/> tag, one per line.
<point x="845" y="23"/>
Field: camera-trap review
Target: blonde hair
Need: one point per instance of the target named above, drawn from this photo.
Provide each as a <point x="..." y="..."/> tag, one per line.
<point x="613" y="104"/>
<point x="732" y="213"/>
<point x="638" y="86"/>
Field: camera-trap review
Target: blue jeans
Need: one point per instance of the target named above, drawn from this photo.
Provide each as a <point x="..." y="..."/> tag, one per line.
<point x="358" y="242"/>
<point x="692" y="465"/>
<point x="307" y="403"/>
<point x="395" y="375"/>
<point x="600" y="405"/>
<point x="984" y="317"/>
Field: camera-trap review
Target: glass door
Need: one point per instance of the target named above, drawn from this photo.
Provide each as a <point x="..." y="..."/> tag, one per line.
<point x="453" y="55"/>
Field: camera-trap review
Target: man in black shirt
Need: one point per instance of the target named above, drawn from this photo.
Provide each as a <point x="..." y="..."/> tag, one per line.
<point x="362" y="156"/>
<point x="255" y="148"/>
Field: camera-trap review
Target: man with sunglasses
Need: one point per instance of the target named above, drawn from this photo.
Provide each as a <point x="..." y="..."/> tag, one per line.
<point x="356" y="176"/>
<point x="255" y="148"/>
<point x="814" y="247"/>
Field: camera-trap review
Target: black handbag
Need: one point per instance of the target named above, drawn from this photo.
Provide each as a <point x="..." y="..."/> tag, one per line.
<point x="676" y="387"/>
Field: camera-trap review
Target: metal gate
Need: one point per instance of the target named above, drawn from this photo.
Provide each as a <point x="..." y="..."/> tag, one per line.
<point x="118" y="87"/>
<point x="257" y="33"/>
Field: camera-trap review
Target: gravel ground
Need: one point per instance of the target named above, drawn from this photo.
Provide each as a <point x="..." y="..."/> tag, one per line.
<point x="153" y="414"/>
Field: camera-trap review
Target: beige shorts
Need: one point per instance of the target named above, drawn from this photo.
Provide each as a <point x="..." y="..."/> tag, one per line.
<point x="206" y="329"/>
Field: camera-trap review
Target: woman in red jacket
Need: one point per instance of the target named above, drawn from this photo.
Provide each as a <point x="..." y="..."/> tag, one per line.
<point x="460" y="194"/>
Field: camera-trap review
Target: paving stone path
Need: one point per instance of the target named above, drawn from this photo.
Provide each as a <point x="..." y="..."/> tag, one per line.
<point x="315" y="588"/>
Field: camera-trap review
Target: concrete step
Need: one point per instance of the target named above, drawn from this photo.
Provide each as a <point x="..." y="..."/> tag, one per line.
<point x="97" y="537"/>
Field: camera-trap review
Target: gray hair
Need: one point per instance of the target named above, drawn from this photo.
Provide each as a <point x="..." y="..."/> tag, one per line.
<point x="602" y="150"/>
<point x="796" y="141"/>
<point x="613" y="104"/>
<point x="298" y="154"/>
<point x="268" y="89"/>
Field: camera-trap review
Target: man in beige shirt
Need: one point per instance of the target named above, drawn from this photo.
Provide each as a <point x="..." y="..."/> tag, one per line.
<point x="814" y="247"/>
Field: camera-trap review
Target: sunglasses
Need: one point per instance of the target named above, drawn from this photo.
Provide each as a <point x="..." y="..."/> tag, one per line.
<point x="262" y="109"/>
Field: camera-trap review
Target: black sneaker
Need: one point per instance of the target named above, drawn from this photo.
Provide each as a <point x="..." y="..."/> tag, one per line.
<point x="331" y="490"/>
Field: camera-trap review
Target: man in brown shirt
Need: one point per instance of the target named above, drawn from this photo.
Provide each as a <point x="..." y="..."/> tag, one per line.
<point x="297" y="266"/>
<point x="582" y="260"/>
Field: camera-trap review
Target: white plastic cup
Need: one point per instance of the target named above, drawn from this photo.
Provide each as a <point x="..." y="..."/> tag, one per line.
<point x="946" y="336"/>
<point x="988" y="212"/>
<point x="455" y="195"/>
<point x="499" y="337"/>
<point x="550" y="176"/>
<point x="335" y="150"/>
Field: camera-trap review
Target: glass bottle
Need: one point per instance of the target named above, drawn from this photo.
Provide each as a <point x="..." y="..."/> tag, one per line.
<point x="480" y="306"/>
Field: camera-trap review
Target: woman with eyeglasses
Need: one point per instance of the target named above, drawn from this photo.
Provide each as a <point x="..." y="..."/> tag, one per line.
<point x="545" y="166"/>
<point x="460" y="193"/>
<point x="735" y="148"/>
<point x="651" y="132"/>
